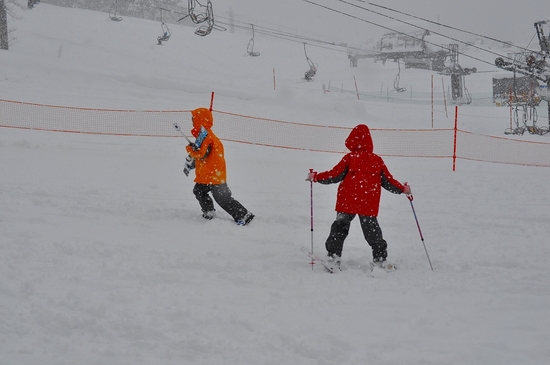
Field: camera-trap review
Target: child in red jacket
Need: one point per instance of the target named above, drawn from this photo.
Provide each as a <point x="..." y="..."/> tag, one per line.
<point x="362" y="174"/>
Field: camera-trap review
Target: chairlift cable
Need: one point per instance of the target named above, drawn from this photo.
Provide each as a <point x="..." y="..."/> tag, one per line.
<point x="419" y="27"/>
<point x="392" y="30"/>
<point x="292" y="37"/>
<point x="277" y="33"/>
<point x="450" y="27"/>
<point x="166" y="6"/>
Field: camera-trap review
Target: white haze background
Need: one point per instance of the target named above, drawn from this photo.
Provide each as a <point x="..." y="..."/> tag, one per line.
<point x="502" y="20"/>
<point x="104" y="258"/>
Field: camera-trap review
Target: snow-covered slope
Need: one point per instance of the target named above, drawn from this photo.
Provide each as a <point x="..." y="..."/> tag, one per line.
<point x="104" y="258"/>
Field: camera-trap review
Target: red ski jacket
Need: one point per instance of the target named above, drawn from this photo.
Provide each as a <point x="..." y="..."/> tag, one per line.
<point x="362" y="175"/>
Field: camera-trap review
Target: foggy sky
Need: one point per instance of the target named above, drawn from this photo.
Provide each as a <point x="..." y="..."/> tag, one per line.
<point x="500" y="19"/>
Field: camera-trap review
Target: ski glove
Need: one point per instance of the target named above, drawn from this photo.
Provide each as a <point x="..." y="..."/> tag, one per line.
<point x="407" y="189"/>
<point x="312" y="176"/>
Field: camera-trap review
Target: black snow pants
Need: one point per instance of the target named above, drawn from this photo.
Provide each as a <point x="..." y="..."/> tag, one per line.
<point x="222" y="196"/>
<point x="371" y="230"/>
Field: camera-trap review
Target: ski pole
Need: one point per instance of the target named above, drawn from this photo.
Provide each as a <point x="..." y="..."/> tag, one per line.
<point x="410" y="197"/>
<point x="177" y="127"/>
<point x="189" y="161"/>
<point x="311" y="216"/>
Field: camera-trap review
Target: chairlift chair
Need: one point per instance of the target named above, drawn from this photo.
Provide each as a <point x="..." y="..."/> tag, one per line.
<point x="250" y="47"/>
<point x="397" y="78"/>
<point x="32" y="3"/>
<point x="205" y="30"/>
<point x="310" y="73"/>
<point x="166" y="33"/>
<point x="115" y="18"/>
<point x="113" y="11"/>
<point x="207" y="16"/>
<point x="201" y="17"/>
<point x="165" y="30"/>
<point x="308" y="76"/>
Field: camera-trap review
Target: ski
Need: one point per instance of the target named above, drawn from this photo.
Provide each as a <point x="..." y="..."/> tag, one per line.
<point x="190" y="161"/>
<point x="371" y="270"/>
<point x="200" y="138"/>
<point x="387" y="267"/>
<point x="198" y="141"/>
<point x="328" y="266"/>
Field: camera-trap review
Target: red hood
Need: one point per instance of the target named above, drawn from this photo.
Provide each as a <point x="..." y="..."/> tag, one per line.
<point x="360" y="139"/>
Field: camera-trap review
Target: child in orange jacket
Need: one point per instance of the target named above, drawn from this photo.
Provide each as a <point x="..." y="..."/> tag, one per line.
<point x="210" y="173"/>
<point x="362" y="174"/>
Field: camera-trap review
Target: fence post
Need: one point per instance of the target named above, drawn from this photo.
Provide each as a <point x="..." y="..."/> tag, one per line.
<point x="455" y="133"/>
<point x="432" y="101"/>
<point x="511" y="110"/>
<point x="444" y="98"/>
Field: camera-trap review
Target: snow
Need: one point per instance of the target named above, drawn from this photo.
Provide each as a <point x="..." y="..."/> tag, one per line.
<point x="104" y="258"/>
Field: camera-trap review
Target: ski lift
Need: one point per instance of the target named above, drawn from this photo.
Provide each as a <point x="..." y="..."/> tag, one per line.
<point x="207" y="16"/>
<point x="197" y="18"/>
<point x="250" y="47"/>
<point x="312" y="67"/>
<point x="526" y="112"/>
<point x="467" y="95"/>
<point x="397" y="78"/>
<point x="205" y="30"/>
<point x="165" y="30"/>
<point x="112" y="14"/>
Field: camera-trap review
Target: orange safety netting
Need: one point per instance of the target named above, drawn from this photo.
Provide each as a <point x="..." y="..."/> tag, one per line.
<point x="430" y="143"/>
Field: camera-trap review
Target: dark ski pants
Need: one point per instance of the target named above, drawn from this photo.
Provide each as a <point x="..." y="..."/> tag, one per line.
<point x="371" y="230"/>
<point x="222" y="196"/>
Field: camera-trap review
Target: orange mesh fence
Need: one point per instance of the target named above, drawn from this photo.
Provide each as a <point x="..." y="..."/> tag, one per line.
<point x="387" y="142"/>
<point x="431" y="143"/>
<point x="96" y="121"/>
<point x="478" y="147"/>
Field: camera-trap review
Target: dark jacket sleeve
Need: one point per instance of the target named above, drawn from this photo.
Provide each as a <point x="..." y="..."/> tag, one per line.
<point x="336" y="174"/>
<point x="389" y="183"/>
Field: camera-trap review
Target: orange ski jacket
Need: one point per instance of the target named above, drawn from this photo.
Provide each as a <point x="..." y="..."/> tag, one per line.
<point x="209" y="158"/>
